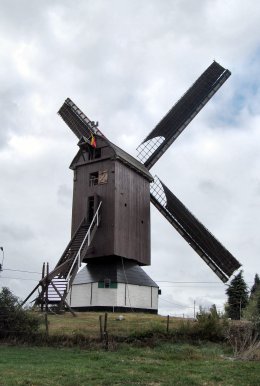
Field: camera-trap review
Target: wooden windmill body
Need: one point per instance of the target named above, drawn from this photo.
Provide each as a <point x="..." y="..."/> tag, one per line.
<point x="109" y="175"/>
<point x="111" y="213"/>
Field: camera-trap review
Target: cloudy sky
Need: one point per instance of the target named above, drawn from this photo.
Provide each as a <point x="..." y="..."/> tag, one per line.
<point x="125" y="63"/>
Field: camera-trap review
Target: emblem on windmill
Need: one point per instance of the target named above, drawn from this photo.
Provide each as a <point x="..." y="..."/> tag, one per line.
<point x="110" y="229"/>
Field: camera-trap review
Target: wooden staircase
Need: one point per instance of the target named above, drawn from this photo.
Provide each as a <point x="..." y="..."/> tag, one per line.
<point x="73" y="247"/>
<point x="67" y="266"/>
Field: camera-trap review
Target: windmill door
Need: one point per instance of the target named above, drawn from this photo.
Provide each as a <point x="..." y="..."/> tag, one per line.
<point x="92" y="206"/>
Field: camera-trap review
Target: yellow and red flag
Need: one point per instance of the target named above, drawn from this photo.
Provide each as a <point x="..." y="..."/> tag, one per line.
<point x="93" y="142"/>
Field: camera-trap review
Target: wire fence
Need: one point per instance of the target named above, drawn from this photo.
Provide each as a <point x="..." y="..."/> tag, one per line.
<point x="102" y="329"/>
<point x="93" y="325"/>
<point x="88" y="323"/>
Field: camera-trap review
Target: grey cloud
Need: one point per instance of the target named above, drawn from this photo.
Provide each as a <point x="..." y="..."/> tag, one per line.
<point x="9" y="111"/>
<point x="16" y="233"/>
<point x="64" y="194"/>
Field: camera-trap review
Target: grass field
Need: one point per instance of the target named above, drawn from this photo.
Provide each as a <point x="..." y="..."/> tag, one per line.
<point x="165" y="364"/>
<point x="87" y="323"/>
<point x="152" y="358"/>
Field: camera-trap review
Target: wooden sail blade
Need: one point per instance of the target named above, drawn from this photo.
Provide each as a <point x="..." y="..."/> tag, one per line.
<point x="181" y="114"/>
<point x="218" y="258"/>
<point x="77" y="121"/>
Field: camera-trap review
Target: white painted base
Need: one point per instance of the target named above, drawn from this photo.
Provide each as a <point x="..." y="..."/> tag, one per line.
<point x="125" y="295"/>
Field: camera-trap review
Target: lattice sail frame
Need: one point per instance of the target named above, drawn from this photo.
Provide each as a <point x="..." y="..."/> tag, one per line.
<point x="181" y="114"/>
<point x="147" y="148"/>
<point x="77" y="121"/>
<point x="216" y="256"/>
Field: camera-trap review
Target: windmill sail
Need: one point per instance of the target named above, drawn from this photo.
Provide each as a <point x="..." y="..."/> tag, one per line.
<point x="181" y="114"/>
<point x="218" y="258"/>
<point x="77" y="121"/>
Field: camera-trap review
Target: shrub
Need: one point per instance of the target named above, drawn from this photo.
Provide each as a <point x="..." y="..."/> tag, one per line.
<point x="14" y="320"/>
<point x="210" y="325"/>
<point x="244" y="340"/>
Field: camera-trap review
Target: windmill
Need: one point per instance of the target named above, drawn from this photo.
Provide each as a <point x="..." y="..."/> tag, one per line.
<point x="111" y="212"/>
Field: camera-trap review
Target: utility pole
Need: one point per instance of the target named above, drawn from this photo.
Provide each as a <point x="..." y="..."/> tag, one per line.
<point x="194" y="309"/>
<point x="2" y="264"/>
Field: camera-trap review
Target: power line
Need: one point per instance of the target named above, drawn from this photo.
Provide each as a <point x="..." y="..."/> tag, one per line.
<point x="188" y="282"/>
<point x="193" y="282"/>
<point x="175" y="304"/>
<point x="16" y="278"/>
<point x="19" y="270"/>
<point x="188" y="286"/>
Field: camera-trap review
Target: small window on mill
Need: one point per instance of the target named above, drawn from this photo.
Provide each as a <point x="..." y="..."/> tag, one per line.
<point x="93" y="179"/>
<point x="97" y="153"/>
<point x="107" y="283"/>
<point x="98" y="178"/>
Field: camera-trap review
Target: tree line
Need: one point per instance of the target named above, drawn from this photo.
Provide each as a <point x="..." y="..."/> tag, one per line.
<point x="243" y="302"/>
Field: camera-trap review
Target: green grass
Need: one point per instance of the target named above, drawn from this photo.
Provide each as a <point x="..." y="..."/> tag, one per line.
<point x="87" y="323"/>
<point x="165" y="364"/>
<point x="151" y="357"/>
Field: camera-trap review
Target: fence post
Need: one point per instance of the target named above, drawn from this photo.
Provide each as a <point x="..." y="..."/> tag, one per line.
<point x="46" y="323"/>
<point x="105" y="323"/>
<point x="47" y="290"/>
<point x="168" y="321"/>
<point x="100" y="328"/>
<point x="105" y="332"/>
<point x="42" y="298"/>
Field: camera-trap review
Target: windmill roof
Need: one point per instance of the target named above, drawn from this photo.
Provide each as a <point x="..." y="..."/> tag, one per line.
<point x="127" y="272"/>
<point x="130" y="161"/>
<point x="121" y="155"/>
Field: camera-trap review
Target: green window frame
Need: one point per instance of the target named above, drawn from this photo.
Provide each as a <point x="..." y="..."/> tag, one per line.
<point x="112" y="284"/>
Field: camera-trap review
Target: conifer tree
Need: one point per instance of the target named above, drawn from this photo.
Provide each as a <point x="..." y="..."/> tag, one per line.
<point x="237" y="296"/>
<point x="252" y="311"/>
<point x="258" y="303"/>
<point x="256" y="286"/>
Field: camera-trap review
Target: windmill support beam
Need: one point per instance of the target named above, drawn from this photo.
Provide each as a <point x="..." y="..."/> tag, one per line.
<point x="70" y="261"/>
<point x="63" y="299"/>
<point x="30" y="294"/>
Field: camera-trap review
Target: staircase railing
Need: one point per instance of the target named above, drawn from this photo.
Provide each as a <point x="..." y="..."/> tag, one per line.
<point x="87" y="239"/>
<point x="56" y="276"/>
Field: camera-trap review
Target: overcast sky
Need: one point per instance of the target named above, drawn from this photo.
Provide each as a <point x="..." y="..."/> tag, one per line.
<point x="125" y="63"/>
